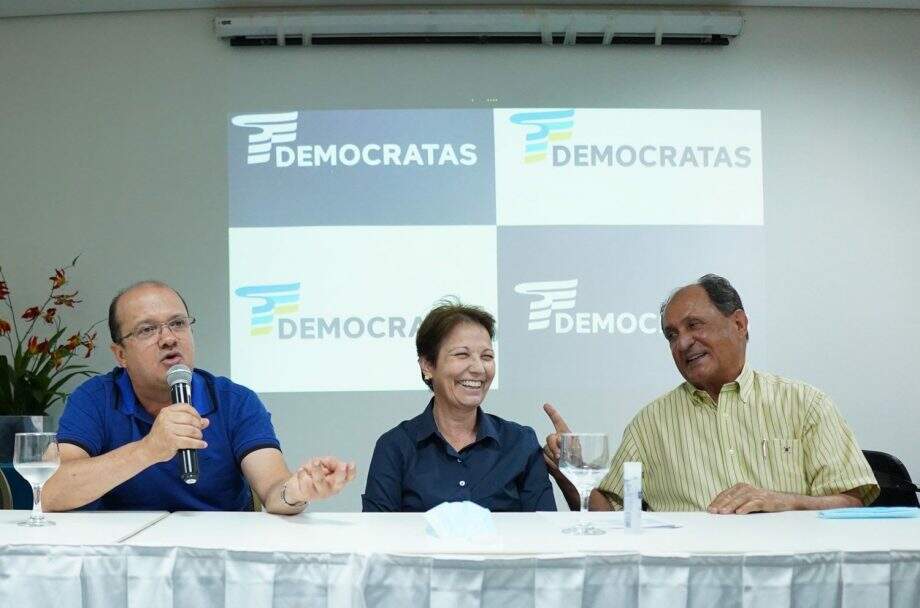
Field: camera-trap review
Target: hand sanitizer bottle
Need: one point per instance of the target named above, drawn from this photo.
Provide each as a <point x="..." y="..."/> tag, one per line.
<point x="632" y="497"/>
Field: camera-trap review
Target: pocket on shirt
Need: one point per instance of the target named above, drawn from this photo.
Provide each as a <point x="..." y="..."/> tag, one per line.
<point x="786" y="459"/>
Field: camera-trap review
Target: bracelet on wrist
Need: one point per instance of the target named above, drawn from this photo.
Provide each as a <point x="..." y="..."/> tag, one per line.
<point x="284" y="499"/>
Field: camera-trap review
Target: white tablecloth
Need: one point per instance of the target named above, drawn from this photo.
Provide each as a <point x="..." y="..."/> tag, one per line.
<point x="76" y="562"/>
<point x="256" y="559"/>
<point x="78" y="528"/>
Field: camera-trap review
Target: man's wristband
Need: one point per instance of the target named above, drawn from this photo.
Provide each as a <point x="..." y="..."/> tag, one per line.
<point x="291" y="504"/>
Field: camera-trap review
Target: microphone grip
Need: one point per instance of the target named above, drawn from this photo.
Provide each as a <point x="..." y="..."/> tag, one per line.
<point x="188" y="459"/>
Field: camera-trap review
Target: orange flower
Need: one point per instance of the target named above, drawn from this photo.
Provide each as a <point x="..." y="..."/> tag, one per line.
<point x="58" y="356"/>
<point x="4" y="290"/>
<point x="31" y="313"/>
<point x="90" y="344"/>
<point x="4" y="327"/>
<point x="49" y="315"/>
<point x="73" y="342"/>
<point x="66" y="299"/>
<point x="35" y="347"/>
<point x="58" y="279"/>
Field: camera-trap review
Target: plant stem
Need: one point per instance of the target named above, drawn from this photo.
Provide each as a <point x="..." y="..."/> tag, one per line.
<point x="41" y="309"/>
<point x="9" y="302"/>
<point x="10" y="340"/>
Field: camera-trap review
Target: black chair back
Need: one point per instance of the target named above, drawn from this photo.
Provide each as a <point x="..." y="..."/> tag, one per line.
<point x="6" y="495"/>
<point x="256" y="503"/>
<point x="894" y="480"/>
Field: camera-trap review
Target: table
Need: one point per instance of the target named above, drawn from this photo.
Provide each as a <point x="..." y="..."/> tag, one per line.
<point x="77" y="528"/>
<point x="77" y="559"/>
<point x="353" y="559"/>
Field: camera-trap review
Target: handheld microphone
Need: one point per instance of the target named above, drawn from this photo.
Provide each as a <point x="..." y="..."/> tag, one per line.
<point x="179" y="379"/>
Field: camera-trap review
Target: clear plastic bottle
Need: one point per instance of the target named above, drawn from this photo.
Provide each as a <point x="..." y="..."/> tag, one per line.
<point x="632" y="497"/>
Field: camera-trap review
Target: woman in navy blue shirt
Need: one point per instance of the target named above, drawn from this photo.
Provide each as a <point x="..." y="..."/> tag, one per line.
<point x="453" y="451"/>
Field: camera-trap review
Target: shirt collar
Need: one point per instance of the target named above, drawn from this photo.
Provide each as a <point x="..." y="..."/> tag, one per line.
<point x="130" y="406"/>
<point x="486" y="427"/>
<point x="744" y="384"/>
<point x="425" y="426"/>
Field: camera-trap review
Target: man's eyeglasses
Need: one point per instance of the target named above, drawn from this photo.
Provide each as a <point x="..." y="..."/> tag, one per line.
<point x="148" y="331"/>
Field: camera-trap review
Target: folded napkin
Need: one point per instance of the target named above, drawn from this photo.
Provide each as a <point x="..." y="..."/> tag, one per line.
<point x="460" y="520"/>
<point x="870" y="513"/>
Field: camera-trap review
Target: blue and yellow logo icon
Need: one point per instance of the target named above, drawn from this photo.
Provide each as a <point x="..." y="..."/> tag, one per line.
<point x="270" y="300"/>
<point x="545" y="127"/>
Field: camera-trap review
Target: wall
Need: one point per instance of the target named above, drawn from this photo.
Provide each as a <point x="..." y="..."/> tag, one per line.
<point x="113" y="145"/>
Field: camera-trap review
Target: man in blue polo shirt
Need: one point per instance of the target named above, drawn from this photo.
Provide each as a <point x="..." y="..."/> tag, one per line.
<point x="120" y="433"/>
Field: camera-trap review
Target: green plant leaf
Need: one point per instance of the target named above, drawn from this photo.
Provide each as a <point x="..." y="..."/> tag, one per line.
<point x="29" y="382"/>
<point x="45" y="370"/>
<point x="40" y="381"/>
<point x="6" y="390"/>
<point x="20" y="361"/>
<point x="57" y="385"/>
<point x="52" y="341"/>
<point x="39" y="399"/>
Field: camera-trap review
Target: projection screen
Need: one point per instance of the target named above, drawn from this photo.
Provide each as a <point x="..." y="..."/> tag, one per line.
<point x="569" y="225"/>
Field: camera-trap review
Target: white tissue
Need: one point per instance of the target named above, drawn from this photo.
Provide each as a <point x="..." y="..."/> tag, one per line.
<point x="461" y="520"/>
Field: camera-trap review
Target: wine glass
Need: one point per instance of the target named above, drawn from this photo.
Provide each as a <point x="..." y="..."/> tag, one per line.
<point x="583" y="460"/>
<point x="36" y="458"/>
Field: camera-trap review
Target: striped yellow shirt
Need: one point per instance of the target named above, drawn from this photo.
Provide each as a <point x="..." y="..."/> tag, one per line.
<point x="770" y="432"/>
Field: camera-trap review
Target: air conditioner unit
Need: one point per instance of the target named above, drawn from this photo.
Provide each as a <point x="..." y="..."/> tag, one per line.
<point x="475" y="25"/>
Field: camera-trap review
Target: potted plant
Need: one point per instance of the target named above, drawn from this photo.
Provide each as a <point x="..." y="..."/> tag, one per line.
<point x="42" y="356"/>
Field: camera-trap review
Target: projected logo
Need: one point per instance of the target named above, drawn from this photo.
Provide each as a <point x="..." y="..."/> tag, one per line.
<point x="549" y="133"/>
<point x="269" y="301"/>
<point x="553" y="298"/>
<point x="271" y="129"/>
<point x="544" y="128"/>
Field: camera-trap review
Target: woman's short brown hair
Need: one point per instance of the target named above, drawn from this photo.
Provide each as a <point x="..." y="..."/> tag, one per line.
<point x="441" y="320"/>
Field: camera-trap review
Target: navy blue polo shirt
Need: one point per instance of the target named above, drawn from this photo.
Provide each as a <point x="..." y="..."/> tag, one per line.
<point x="104" y="414"/>
<point x="414" y="468"/>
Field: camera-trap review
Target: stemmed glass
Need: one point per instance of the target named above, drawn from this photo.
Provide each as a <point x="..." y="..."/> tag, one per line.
<point x="36" y="458"/>
<point x="583" y="460"/>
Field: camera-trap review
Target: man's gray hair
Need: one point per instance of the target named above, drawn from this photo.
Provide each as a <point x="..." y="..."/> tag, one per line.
<point x="720" y="291"/>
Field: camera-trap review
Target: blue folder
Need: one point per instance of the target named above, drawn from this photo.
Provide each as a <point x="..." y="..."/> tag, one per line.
<point x="870" y="513"/>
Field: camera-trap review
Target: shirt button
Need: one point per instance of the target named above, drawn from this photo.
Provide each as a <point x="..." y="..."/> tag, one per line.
<point x="460" y="460"/>
<point x="462" y="483"/>
<point x="731" y="452"/>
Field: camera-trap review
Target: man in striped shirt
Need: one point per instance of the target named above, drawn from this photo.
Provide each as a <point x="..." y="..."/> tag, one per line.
<point x="730" y="439"/>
